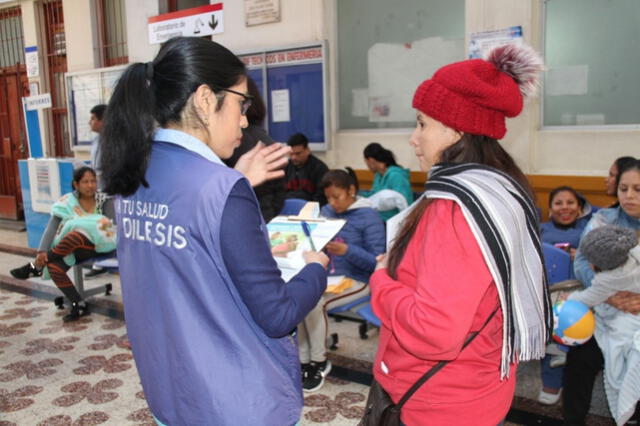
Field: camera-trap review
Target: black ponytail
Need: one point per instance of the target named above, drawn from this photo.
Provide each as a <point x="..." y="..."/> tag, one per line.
<point x="156" y="93"/>
<point x="340" y="179"/>
<point x="379" y="153"/>
<point x="125" y="141"/>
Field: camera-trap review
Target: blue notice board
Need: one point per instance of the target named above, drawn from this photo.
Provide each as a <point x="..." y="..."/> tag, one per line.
<point x="306" y="100"/>
<point x="301" y="71"/>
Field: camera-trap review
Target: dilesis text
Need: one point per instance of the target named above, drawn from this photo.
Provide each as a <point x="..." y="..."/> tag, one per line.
<point x="144" y="221"/>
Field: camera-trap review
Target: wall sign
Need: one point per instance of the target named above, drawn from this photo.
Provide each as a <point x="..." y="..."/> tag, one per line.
<point x="194" y="22"/>
<point x="38" y="102"/>
<point x="258" y="12"/>
<point x="31" y="59"/>
<point x="481" y="43"/>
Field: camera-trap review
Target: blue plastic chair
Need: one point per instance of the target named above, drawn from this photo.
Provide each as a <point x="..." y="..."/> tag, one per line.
<point x="557" y="263"/>
<point x="292" y="206"/>
<point x="366" y="312"/>
<point x="348" y="312"/>
<point x="348" y="306"/>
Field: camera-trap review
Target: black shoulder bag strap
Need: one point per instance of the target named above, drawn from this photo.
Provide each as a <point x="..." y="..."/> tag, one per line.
<point x="433" y="370"/>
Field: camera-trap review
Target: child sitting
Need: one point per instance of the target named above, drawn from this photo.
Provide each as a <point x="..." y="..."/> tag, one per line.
<point x="614" y="255"/>
<point x="353" y="254"/>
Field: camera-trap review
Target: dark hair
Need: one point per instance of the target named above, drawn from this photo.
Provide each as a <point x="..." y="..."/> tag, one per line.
<point x="621" y="162"/>
<point x="79" y="173"/>
<point x="469" y="149"/>
<point x="157" y="93"/>
<point x="98" y="111"/>
<point x="257" y="110"/>
<point x="633" y="164"/>
<point x="555" y="191"/>
<point x="339" y="178"/>
<point x="298" y="139"/>
<point x="379" y="153"/>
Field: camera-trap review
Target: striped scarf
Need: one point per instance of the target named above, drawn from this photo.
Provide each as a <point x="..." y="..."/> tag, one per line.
<point x="503" y="220"/>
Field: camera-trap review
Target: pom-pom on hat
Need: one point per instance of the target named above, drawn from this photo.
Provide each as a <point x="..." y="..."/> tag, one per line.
<point x="475" y="96"/>
<point x="608" y="247"/>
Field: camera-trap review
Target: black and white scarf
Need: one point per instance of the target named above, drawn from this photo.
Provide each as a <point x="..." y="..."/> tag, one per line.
<point x="503" y="220"/>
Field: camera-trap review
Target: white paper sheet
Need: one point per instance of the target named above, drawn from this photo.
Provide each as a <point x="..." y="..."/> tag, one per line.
<point x="280" y="105"/>
<point x="360" y="102"/>
<point x="569" y="80"/>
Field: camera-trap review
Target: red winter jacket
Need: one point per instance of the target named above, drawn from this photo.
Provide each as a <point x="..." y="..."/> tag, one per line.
<point x="444" y="291"/>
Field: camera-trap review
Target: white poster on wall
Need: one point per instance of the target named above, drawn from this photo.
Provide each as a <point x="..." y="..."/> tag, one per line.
<point x="280" y="106"/>
<point x="87" y="93"/>
<point x="31" y="61"/>
<point x="360" y="102"/>
<point x="396" y="70"/>
<point x="44" y="183"/>
<point x="568" y="80"/>
<point x="481" y="43"/>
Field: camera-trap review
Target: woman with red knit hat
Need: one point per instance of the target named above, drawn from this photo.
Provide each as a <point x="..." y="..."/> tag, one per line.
<point x="466" y="265"/>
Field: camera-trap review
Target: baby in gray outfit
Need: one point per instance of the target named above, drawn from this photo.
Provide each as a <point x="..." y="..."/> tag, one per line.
<point x="614" y="254"/>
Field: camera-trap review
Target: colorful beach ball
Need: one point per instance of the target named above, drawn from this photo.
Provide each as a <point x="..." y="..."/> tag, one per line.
<point x="574" y="322"/>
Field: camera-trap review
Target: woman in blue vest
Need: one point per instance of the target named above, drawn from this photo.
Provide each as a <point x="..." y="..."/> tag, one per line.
<point x="211" y="322"/>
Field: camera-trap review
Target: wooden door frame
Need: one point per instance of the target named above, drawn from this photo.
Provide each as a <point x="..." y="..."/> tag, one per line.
<point x="13" y="140"/>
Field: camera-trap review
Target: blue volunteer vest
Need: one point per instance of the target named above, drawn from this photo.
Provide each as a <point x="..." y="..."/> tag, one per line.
<point x="200" y="356"/>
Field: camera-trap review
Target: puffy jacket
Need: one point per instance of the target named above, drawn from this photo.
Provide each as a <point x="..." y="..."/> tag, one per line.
<point x="395" y="178"/>
<point x="364" y="233"/>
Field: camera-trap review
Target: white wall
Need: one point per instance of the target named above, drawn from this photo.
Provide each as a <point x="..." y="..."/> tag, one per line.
<point x="137" y="13"/>
<point x="576" y="152"/>
<point x="300" y="21"/>
<point x="568" y="152"/>
<point x="484" y="15"/>
<point x="79" y="35"/>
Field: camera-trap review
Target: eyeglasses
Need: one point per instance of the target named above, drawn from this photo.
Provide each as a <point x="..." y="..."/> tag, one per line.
<point x="246" y="100"/>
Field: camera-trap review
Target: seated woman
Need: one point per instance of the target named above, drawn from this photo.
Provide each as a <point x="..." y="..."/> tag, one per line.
<point x="610" y="181"/>
<point x="353" y="254"/>
<point x="585" y="361"/>
<point x="80" y="227"/>
<point x="387" y="175"/>
<point x="569" y="213"/>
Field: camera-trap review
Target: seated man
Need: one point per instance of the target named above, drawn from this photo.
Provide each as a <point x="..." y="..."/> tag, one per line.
<point x="304" y="171"/>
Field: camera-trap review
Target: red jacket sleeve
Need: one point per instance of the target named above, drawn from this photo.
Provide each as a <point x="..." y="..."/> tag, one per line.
<point x="441" y="281"/>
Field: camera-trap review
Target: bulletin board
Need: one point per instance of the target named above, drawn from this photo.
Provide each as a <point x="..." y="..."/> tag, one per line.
<point x="293" y="83"/>
<point x="85" y="89"/>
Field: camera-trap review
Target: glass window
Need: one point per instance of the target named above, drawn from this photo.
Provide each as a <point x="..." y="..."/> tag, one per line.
<point x="592" y="62"/>
<point x="385" y="50"/>
<point x="166" y="6"/>
<point x="11" y="39"/>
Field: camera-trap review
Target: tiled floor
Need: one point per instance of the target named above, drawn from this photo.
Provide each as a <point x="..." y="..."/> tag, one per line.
<point x="52" y="373"/>
<point x="48" y="371"/>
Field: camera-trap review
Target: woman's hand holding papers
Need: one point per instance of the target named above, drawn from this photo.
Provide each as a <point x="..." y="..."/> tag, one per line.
<point x="317" y="257"/>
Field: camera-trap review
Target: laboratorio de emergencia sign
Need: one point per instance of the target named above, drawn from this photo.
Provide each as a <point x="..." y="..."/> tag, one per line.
<point x="195" y="22"/>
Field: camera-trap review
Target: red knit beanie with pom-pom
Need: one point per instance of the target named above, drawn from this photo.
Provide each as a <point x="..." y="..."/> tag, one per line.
<point x="475" y="96"/>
